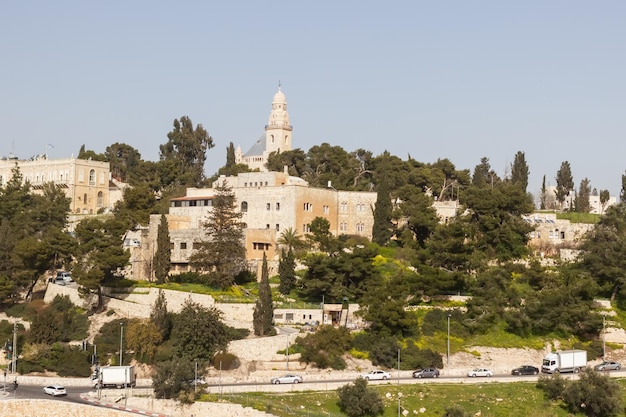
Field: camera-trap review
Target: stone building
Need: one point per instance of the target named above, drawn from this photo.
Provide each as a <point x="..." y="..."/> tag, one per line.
<point x="85" y="182"/>
<point x="277" y="136"/>
<point x="551" y="235"/>
<point x="271" y="202"/>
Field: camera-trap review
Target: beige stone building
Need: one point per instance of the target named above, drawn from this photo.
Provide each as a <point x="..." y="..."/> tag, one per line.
<point x="551" y="235"/>
<point x="270" y="203"/>
<point x="85" y="182"/>
<point x="277" y="136"/>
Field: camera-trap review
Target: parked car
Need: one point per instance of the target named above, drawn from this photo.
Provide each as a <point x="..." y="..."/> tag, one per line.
<point x="525" y="370"/>
<point x="55" y="390"/>
<point x="480" y="372"/>
<point x="608" y="366"/>
<point x="66" y="276"/>
<point x="376" y="374"/>
<point x="59" y="281"/>
<point x="287" y="379"/>
<point x="426" y="373"/>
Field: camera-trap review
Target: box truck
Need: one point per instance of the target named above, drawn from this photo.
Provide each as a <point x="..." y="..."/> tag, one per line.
<point x="115" y="377"/>
<point x="564" y="361"/>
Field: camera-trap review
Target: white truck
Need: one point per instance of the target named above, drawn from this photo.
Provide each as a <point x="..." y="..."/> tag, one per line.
<point x="115" y="377"/>
<point x="564" y="361"/>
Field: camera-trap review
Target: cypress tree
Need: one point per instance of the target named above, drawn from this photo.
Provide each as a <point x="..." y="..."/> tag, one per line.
<point x="287" y="272"/>
<point x="162" y="256"/>
<point x="383" y="227"/>
<point x="263" y="316"/>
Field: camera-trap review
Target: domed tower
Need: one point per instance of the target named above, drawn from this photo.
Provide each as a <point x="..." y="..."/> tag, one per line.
<point x="278" y="130"/>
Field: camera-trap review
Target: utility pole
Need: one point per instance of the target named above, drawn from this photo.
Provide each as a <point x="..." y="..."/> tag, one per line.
<point x="603" y="339"/>
<point x="449" y="339"/>
<point x="14" y="353"/>
<point x="121" y="342"/>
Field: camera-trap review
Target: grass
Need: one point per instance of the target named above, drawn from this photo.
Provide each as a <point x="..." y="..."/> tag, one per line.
<point x="575" y="217"/>
<point x="491" y="399"/>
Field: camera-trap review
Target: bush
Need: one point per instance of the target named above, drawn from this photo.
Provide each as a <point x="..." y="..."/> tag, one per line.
<point x="552" y="386"/>
<point x="413" y="358"/>
<point x="593" y="394"/>
<point x="455" y="411"/>
<point x="188" y="278"/>
<point x="356" y="400"/>
<point x="226" y="361"/>
<point x="325" y="347"/>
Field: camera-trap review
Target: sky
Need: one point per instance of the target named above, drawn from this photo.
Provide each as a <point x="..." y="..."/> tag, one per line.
<point x="460" y="80"/>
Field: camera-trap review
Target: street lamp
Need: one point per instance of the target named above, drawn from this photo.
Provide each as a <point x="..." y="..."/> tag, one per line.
<point x="287" y="352"/>
<point x="121" y="342"/>
<point x="449" y="339"/>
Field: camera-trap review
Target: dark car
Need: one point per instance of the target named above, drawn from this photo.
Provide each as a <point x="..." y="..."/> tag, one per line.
<point x="525" y="370"/>
<point x="426" y="373"/>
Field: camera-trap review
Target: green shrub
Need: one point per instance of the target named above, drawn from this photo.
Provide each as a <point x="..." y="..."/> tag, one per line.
<point x="188" y="278"/>
<point x="552" y="386"/>
<point x="228" y="361"/>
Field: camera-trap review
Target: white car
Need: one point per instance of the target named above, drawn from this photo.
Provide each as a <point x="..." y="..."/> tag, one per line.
<point x="287" y="379"/>
<point x="375" y="375"/>
<point x="55" y="390"/>
<point x="480" y="372"/>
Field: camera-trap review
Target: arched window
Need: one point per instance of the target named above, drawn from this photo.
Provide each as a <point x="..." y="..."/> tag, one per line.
<point x="244" y="206"/>
<point x="84" y="198"/>
<point x="100" y="201"/>
<point x="92" y="177"/>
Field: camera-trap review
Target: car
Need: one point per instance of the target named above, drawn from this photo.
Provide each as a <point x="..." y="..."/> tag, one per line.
<point x="287" y="379"/>
<point x="59" y="281"/>
<point x="65" y="276"/>
<point x="480" y="372"/>
<point x="55" y="390"/>
<point x="608" y="366"/>
<point x="525" y="370"/>
<point x="376" y="375"/>
<point x="426" y="373"/>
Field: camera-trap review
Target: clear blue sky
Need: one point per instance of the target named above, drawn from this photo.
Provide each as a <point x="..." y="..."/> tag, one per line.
<point x="438" y="79"/>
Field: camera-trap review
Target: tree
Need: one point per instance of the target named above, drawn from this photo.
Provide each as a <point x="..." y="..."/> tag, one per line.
<point x="290" y="238"/>
<point x="159" y="315"/>
<point x="163" y="253"/>
<point x="605" y="196"/>
<point x="287" y="272"/>
<point x="143" y="337"/>
<point x="325" y="347"/>
<point x="198" y="332"/>
<point x="357" y="400"/>
<point x="100" y="255"/>
<point x="223" y="254"/>
<point x="519" y="171"/>
<point x="124" y="162"/>
<point x="416" y="208"/>
<point x="263" y="315"/>
<point x="184" y="154"/>
<point x="581" y="203"/>
<point x="484" y="176"/>
<point x="170" y="379"/>
<point x="383" y="228"/>
<point x="604" y="250"/>
<point x="544" y="193"/>
<point x="594" y="395"/>
<point x="564" y="182"/>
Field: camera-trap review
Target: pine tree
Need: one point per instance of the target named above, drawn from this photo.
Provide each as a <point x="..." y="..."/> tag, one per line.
<point x="222" y="256"/>
<point x="263" y="316"/>
<point x="582" y="197"/>
<point x="163" y="254"/>
<point x="287" y="271"/>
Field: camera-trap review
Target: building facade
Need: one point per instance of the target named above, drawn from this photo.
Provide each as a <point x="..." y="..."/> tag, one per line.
<point x="85" y="182"/>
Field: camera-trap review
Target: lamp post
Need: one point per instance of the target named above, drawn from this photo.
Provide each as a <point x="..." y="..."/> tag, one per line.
<point x="121" y="342"/>
<point x="448" y="357"/>
<point x="287" y="352"/>
<point x="346" y="302"/>
<point x="603" y="339"/>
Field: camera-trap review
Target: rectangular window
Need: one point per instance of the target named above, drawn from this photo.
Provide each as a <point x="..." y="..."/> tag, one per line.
<point x="171" y="245"/>
<point x="289" y="316"/>
<point x="277" y="227"/>
<point x="267" y="226"/>
<point x="268" y="206"/>
<point x="277" y="206"/>
<point x="183" y="245"/>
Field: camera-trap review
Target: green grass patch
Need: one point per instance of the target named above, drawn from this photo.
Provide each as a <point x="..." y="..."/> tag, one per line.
<point x="491" y="399"/>
<point x="498" y="337"/>
<point x="574" y="217"/>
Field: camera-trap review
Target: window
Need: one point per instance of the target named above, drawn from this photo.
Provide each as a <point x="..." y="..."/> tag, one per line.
<point x="183" y="245"/>
<point x="268" y="206"/>
<point x="267" y="226"/>
<point x="326" y="209"/>
<point x="100" y="202"/>
<point x="277" y="206"/>
<point x="92" y="177"/>
<point x="306" y="228"/>
<point x="343" y="206"/>
<point x="289" y="316"/>
<point x="244" y="206"/>
<point x="277" y="227"/>
<point x="84" y="198"/>
<point x="171" y="245"/>
<point x="308" y="207"/>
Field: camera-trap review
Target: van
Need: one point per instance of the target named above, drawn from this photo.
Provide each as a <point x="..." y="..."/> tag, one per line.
<point x="66" y="277"/>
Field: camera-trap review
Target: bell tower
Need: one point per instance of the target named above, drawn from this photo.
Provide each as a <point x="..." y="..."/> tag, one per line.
<point x="278" y="130"/>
